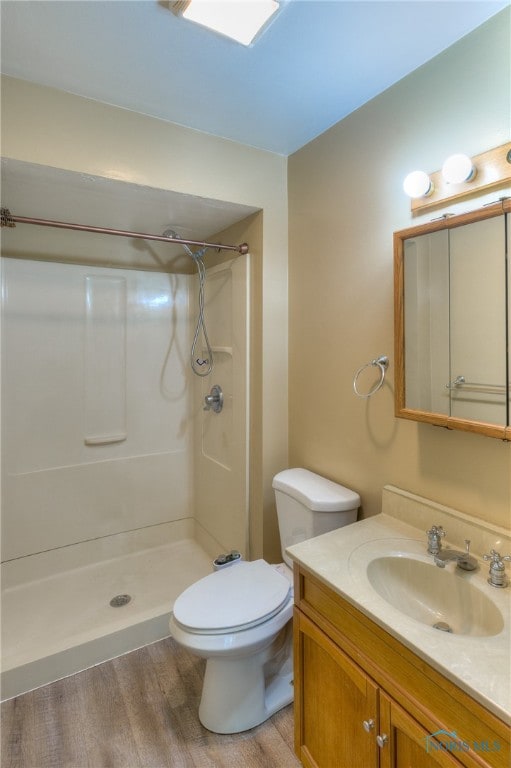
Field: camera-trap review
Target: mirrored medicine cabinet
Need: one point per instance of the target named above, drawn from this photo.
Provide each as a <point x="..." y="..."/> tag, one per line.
<point x="452" y="311"/>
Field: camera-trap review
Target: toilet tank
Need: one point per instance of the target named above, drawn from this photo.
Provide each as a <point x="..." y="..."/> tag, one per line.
<point x="309" y="505"/>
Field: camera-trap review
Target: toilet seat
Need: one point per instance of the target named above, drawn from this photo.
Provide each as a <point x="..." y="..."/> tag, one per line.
<point x="240" y="597"/>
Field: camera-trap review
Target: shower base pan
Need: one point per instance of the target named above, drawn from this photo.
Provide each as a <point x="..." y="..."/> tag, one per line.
<point x="57" y="617"/>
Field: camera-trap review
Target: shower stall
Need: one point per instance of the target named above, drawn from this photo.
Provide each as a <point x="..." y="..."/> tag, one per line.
<point x="119" y="483"/>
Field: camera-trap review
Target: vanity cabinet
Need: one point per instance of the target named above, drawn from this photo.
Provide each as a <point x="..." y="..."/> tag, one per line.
<point x="363" y="700"/>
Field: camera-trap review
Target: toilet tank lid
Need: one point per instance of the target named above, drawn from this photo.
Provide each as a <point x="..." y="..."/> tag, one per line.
<point x="316" y="492"/>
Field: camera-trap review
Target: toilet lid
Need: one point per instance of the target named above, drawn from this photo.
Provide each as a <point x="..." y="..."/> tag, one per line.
<point x="241" y="596"/>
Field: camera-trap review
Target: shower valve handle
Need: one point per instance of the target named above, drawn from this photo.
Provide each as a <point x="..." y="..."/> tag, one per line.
<point x="215" y="400"/>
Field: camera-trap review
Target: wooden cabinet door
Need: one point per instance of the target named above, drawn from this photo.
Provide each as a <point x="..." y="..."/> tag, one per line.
<point x="406" y="744"/>
<point x="333" y="698"/>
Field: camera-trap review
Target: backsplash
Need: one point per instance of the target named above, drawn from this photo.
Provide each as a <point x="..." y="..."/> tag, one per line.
<point x="422" y="513"/>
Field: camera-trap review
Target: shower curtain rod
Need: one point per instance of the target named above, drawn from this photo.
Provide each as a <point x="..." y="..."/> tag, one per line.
<point x="9" y="220"/>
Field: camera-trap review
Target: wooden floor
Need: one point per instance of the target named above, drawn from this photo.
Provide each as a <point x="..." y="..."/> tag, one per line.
<point x="137" y="711"/>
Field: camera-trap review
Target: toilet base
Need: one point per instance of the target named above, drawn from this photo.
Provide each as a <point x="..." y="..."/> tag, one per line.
<point x="239" y="694"/>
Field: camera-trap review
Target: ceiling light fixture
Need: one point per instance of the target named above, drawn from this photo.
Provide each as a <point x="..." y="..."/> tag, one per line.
<point x="241" y="20"/>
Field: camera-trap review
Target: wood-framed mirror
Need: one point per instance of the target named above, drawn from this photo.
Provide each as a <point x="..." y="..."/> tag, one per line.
<point x="452" y="314"/>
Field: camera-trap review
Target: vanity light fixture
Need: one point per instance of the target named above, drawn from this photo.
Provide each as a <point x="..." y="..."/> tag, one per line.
<point x="417" y="184"/>
<point x="241" y="20"/>
<point x="461" y="176"/>
<point x="458" y="169"/>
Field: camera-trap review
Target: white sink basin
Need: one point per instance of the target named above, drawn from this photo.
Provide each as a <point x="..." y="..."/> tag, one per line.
<point x="445" y="600"/>
<point x="406" y="578"/>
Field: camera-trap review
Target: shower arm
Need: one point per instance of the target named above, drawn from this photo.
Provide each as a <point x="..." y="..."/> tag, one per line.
<point x="7" y="219"/>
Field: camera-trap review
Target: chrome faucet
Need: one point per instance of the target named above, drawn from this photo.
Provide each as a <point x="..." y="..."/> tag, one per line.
<point x="464" y="560"/>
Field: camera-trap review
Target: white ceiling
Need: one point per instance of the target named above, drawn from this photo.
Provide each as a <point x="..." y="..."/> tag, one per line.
<point x="316" y="62"/>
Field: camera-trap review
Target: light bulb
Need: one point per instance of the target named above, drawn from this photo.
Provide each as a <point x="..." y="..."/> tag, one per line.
<point x="457" y="169"/>
<point x="417" y="184"/>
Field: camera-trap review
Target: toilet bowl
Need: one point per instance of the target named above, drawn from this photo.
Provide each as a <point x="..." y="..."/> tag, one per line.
<point x="240" y="618"/>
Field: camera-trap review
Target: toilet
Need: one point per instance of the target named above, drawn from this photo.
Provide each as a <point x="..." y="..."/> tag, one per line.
<point x="239" y="618"/>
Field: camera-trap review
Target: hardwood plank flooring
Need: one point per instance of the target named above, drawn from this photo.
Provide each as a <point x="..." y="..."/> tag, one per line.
<point x="136" y="711"/>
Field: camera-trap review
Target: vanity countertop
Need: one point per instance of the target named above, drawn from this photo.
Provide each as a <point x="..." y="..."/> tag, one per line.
<point x="480" y="665"/>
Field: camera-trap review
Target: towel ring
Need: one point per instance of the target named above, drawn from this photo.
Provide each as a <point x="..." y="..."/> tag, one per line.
<point x="382" y="363"/>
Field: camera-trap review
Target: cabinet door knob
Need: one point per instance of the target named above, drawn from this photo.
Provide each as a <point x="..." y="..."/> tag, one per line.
<point x="382" y="739"/>
<point x="368" y="725"/>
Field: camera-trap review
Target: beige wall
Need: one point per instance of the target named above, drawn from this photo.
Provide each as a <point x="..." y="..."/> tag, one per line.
<point x="49" y="127"/>
<point x="345" y="200"/>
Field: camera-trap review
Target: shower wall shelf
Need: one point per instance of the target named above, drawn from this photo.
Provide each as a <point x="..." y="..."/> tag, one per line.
<point x="105" y="439"/>
<point x="224" y="350"/>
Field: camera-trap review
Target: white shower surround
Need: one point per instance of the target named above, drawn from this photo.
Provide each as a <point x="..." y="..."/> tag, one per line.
<point x="85" y="521"/>
<point x="57" y="489"/>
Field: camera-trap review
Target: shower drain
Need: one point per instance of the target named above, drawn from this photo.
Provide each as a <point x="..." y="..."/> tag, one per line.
<point x="119" y="600"/>
<point x="442" y="626"/>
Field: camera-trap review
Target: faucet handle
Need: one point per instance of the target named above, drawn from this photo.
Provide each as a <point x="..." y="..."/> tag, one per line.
<point x="497" y="577"/>
<point x="496" y="557"/>
<point x="435" y="533"/>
